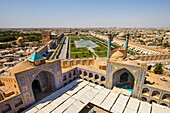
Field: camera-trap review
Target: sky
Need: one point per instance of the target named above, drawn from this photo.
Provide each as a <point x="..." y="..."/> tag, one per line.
<point x="84" y="13"/>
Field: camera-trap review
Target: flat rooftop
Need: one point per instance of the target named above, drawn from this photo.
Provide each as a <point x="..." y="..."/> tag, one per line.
<point x="77" y="96"/>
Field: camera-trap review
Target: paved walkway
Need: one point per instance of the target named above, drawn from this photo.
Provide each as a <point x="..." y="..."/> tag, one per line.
<point x="64" y="50"/>
<point x="92" y="50"/>
<point x="69" y="48"/>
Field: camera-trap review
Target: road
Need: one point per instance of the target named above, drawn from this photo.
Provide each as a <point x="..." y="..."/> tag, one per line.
<point x="64" y="50"/>
<point x="69" y="48"/>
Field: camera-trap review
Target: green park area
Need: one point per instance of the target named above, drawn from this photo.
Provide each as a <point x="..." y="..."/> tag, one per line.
<point x="74" y="38"/>
<point x="132" y="52"/>
<point x="83" y="52"/>
<point x="84" y="37"/>
<point x="81" y="55"/>
<point x="78" y="52"/>
<point x="101" y="54"/>
<point x="100" y="48"/>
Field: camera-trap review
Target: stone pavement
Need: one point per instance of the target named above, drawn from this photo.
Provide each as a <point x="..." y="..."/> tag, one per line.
<point x="64" y="50"/>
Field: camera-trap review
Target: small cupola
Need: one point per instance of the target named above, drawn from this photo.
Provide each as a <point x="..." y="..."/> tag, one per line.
<point x="36" y="59"/>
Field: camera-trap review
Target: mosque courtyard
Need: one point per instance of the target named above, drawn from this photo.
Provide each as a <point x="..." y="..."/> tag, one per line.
<point x="81" y="96"/>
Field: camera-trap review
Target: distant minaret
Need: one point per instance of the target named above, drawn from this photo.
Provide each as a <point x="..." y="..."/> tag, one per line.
<point x="126" y="43"/>
<point x="109" y="43"/>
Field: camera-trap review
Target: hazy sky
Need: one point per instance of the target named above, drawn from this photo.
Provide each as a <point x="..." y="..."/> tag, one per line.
<point x="84" y="13"/>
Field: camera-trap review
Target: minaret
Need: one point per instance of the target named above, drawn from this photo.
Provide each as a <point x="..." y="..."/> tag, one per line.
<point x="109" y="43"/>
<point x="126" y="43"/>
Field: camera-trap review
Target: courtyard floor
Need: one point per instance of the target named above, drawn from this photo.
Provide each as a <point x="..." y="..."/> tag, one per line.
<point x="77" y="95"/>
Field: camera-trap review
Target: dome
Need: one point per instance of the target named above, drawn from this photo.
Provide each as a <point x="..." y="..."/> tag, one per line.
<point x="120" y="60"/>
<point x="20" y="38"/>
<point x="117" y="55"/>
<point x="122" y="34"/>
<point x="130" y="62"/>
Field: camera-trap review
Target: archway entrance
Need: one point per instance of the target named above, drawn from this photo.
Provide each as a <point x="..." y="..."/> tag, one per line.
<point x="36" y="88"/>
<point x="123" y="79"/>
<point x="20" y="110"/>
<point x="43" y="85"/>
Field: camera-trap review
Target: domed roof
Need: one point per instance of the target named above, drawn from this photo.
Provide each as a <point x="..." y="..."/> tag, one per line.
<point x="120" y="60"/>
<point x="36" y="56"/>
<point x="20" y="38"/>
<point x="117" y="54"/>
<point x="122" y="34"/>
<point x="131" y="62"/>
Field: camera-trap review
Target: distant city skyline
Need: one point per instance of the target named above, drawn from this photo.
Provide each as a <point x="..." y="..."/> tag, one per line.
<point x="84" y="13"/>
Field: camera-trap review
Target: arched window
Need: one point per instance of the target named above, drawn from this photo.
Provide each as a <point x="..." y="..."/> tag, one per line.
<point x="74" y="78"/>
<point x="143" y="99"/>
<point x="166" y="97"/>
<point x="155" y="93"/>
<point x="69" y="75"/>
<point x="64" y="77"/>
<point x="163" y="104"/>
<point x="149" y="67"/>
<point x="90" y="75"/>
<point x="80" y="72"/>
<point x="103" y="85"/>
<point x="90" y="81"/>
<point x="74" y="72"/>
<point x="65" y="84"/>
<point x="85" y="73"/>
<point x="70" y="81"/>
<point x="85" y="79"/>
<point x="18" y="102"/>
<point x="102" y="78"/>
<point x="1" y="96"/>
<point x="20" y="110"/>
<point x="145" y="90"/>
<point x="152" y="101"/>
<point x="124" y="77"/>
<point x="96" y="76"/>
<point x="96" y="83"/>
<point x="6" y="108"/>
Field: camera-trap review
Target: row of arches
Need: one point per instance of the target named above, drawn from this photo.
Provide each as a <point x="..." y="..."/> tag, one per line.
<point x="65" y="77"/>
<point x="69" y="81"/>
<point x="152" y="101"/>
<point x="73" y="62"/>
<point x="7" y="107"/>
<point x="95" y="82"/>
<point x="156" y="94"/>
<point x="92" y="76"/>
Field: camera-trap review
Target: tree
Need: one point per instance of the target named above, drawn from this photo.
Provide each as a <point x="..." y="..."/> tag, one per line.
<point x="158" y="69"/>
<point x="76" y="56"/>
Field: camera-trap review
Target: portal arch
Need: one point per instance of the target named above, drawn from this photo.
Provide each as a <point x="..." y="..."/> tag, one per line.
<point x="44" y="81"/>
<point x="123" y="78"/>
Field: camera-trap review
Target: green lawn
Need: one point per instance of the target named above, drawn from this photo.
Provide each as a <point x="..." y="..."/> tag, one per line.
<point x="80" y="49"/>
<point x="84" y="38"/>
<point x="133" y="52"/>
<point x="81" y="55"/>
<point x="101" y="48"/>
<point x="116" y="46"/>
<point x="101" y="54"/>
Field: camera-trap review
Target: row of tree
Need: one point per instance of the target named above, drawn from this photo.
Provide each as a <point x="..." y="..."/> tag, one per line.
<point x="4" y="46"/>
<point x="6" y="36"/>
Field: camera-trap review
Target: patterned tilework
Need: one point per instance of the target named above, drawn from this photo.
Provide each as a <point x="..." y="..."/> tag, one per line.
<point x="137" y="72"/>
<point x="25" y="79"/>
